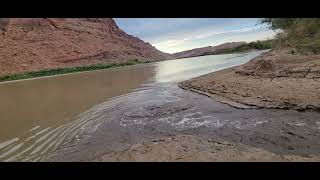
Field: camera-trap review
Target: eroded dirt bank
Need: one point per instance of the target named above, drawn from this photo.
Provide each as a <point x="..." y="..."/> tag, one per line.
<point x="276" y="79"/>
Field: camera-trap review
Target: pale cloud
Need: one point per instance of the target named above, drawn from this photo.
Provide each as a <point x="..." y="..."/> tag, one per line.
<point x="191" y="36"/>
<point x="212" y="38"/>
<point x="169" y="43"/>
<point x="174" y="35"/>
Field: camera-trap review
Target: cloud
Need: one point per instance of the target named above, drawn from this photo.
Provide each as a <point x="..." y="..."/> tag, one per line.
<point x="212" y="38"/>
<point x="173" y="35"/>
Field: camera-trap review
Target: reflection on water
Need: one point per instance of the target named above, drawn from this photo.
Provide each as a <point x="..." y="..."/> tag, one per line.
<point x="38" y="115"/>
<point x="183" y="69"/>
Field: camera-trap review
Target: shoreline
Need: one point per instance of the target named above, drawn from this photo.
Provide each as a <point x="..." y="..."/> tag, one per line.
<point x="48" y="73"/>
<point x="273" y="80"/>
<point x="224" y="53"/>
<point x="69" y="71"/>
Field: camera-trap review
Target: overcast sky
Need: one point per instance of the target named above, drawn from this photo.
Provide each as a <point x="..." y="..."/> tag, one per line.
<point x="178" y="34"/>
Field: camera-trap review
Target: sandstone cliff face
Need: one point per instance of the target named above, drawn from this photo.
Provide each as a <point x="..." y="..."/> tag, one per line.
<point x="208" y="49"/>
<point x="30" y="44"/>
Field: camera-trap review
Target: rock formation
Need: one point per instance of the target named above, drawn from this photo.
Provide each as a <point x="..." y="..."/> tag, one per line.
<point x="31" y="44"/>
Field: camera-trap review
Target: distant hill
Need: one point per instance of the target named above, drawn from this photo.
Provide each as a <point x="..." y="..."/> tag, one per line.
<point x="205" y="50"/>
<point x="247" y="47"/>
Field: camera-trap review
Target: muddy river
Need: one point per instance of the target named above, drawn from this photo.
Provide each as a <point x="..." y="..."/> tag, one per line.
<point x="81" y="116"/>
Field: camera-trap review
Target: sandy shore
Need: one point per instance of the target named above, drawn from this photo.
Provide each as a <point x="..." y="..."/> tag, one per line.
<point x="277" y="79"/>
<point x="194" y="148"/>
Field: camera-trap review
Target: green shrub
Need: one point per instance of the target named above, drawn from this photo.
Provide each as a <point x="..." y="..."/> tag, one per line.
<point x="57" y="71"/>
<point x="257" y="45"/>
<point x="300" y="33"/>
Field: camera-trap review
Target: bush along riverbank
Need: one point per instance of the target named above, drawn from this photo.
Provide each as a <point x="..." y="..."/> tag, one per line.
<point x="58" y="71"/>
<point x="252" y="46"/>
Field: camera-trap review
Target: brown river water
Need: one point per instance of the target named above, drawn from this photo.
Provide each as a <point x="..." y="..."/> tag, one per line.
<point x="78" y="117"/>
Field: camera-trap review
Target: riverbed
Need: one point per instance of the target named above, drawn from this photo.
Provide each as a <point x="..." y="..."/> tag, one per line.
<point x="79" y="117"/>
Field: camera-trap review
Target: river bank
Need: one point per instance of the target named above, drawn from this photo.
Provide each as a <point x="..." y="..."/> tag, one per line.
<point x="192" y="148"/>
<point x="60" y="71"/>
<point x="276" y="79"/>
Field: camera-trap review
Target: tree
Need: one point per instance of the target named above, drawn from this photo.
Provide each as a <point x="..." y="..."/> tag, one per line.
<point x="279" y="23"/>
<point x="301" y="33"/>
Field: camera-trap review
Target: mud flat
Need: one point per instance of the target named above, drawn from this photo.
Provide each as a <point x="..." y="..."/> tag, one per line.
<point x="276" y="79"/>
<point x="194" y="148"/>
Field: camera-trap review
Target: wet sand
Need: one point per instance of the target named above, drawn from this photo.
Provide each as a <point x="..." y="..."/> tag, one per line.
<point x="273" y="80"/>
<point x="190" y="148"/>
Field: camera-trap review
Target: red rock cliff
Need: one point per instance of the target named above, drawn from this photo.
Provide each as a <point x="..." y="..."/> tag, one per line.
<point x="30" y="44"/>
